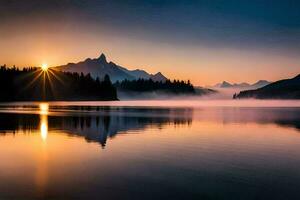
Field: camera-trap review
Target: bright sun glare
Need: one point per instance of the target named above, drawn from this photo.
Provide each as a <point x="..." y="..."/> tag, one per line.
<point x="44" y="67"/>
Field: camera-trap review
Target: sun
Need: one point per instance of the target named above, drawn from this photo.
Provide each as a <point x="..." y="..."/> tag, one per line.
<point x="44" y="67"/>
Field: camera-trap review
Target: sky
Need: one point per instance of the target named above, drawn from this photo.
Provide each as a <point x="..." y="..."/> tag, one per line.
<point x="205" y="41"/>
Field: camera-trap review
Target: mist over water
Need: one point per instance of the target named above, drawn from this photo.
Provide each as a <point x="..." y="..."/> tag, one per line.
<point x="209" y="94"/>
<point x="195" y="102"/>
<point x="223" y="93"/>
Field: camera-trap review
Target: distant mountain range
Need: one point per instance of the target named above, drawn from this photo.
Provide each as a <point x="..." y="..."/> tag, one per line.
<point x="98" y="67"/>
<point x="283" y="89"/>
<point x="258" y="84"/>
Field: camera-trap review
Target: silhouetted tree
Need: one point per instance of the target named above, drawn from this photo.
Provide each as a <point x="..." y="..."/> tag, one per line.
<point x="142" y="85"/>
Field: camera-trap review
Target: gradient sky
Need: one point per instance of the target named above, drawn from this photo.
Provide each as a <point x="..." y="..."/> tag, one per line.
<point x="206" y="41"/>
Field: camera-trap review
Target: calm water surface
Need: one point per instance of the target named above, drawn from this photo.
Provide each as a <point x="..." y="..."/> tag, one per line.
<point x="150" y="150"/>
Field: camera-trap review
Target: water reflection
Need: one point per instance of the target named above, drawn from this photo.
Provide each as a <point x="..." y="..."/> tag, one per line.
<point x="203" y="153"/>
<point x="44" y="107"/>
<point x="97" y="124"/>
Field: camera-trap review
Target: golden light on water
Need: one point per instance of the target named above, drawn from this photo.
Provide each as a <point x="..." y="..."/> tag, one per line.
<point x="44" y="107"/>
<point x="44" y="127"/>
<point x="44" y="120"/>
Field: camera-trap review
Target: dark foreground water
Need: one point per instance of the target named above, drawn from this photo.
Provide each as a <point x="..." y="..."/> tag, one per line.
<point x="102" y="151"/>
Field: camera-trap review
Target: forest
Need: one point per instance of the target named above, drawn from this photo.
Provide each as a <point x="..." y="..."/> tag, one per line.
<point x="34" y="84"/>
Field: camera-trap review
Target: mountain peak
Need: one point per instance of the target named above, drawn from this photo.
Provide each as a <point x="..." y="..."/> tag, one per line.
<point x="225" y="84"/>
<point x="98" y="67"/>
<point x="102" y="58"/>
<point x="158" y="77"/>
<point x="262" y="81"/>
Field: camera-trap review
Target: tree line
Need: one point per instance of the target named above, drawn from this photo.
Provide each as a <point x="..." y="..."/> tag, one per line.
<point x="148" y="85"/>
<point x="33" y="84"/>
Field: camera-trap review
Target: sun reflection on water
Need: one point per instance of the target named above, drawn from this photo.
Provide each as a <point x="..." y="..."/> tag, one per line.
<point x="44" y="107"/>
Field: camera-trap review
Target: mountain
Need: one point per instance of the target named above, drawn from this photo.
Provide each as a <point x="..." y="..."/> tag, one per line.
<point x="144" y="75"/>
<point x="158" y="77"/>
<point x="241" y="85"/>
<point x="258" y="84"/>
<point x="98" y="67"/>
<point x="225" y="85"/>
<point x="283" y="89"/>
<point x="218" y="85"/>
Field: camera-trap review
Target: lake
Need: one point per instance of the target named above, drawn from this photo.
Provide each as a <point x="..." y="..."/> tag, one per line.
<point x="150" y="150"/>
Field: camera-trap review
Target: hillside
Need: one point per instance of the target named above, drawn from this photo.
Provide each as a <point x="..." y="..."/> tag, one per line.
<point x="283" y="89"/>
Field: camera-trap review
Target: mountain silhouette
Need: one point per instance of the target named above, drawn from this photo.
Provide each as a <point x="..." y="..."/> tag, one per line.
<point x="225" y="85"/>
<point x="283" y="89"/>
<point x="98" y="67"/>
<point x="244" y="85"/>
<point x="158" y="77"/>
